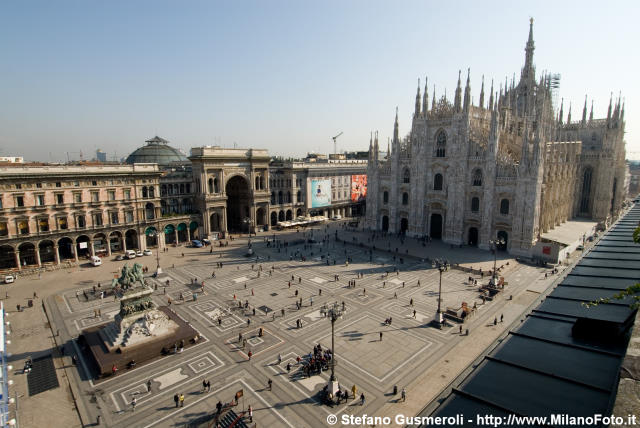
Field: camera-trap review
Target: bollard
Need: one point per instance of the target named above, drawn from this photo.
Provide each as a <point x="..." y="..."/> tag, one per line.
<point x="99" y="420"/>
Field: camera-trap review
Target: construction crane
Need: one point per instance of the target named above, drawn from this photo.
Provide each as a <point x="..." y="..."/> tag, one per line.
<point x="335" y="148"/>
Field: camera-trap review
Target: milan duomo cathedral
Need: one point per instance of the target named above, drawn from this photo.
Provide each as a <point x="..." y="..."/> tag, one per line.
<point x="507" y="169"/>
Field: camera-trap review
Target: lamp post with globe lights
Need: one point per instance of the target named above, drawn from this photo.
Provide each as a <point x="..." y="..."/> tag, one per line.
<point x="495" y="242"/>
<point x="333" y="312"/>
<point x="442" y="266"/>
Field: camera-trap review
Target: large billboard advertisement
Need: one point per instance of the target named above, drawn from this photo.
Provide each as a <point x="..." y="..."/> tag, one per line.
<point x="358" y="187"/>
<point x="320" y="193"/>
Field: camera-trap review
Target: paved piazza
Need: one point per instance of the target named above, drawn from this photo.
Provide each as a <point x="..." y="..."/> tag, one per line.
<point x="407" y="347"/>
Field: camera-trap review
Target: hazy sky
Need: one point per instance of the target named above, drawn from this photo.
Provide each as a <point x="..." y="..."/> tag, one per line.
<point x="283" y="75"/>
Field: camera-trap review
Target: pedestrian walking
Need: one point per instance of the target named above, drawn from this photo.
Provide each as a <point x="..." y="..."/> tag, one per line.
<point x="250" y="414"/>
<point x="380" y="336"/>
<point x="279" y="359"/>
<point x="362" y="399"/>
<point x="181" y="400"/>
<point x="414" y="313"/>
<point x="404" y="394"/>
<point x="149" y="385"/>
<point x="204" y="385"/>
<point x="501" y="317"/>
<point x="269" y="384"/>
<point x="133" y="404"/>
<point x="250" y="354"/>
<point x="176" y="399"/>
<point x="208" y="386"/>
<point x="495" y="321"/>
<point x="354" y="391"/>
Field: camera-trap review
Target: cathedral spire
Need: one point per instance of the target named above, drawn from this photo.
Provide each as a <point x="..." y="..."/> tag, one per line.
<point x="561" y="114"/>
<point x="425" y="98"/>
<point x="467" y="91"/>
<point x="376" y="148"/>
<point x="481" y="103"/>
<point x="395" y="128"/>
<point x="433" y="100"/>
<point x="622" y="111"/>
<point x="609" y="111"/>
<point x="490" y="96"/>
<point x="584" y="111"/>
<point x="417" y="112"/>
<point x="569" y="115"/>
<point x="528" y="69"/>
<point x="591" y="114"/>
<point x="457" y="100"/>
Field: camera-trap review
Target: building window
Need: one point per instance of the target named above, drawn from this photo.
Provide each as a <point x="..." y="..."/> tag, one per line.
<point x="145" y="194"/>
<point x="4" y="231"/>
<point x="152" y="191"/>
<point x="97" y="219"/>
<point x="475" y="204"/>
<point x="77" y="198"/>
<point x="437" y="182"/>
<point x="441" y="144"/>
<point x="94" y="183"/>
<point x="43" y="224"/>
<point x="385" y="197"/>
<point x="127" y="194"/>
<point x="76" y="183"/>
<point x="504" y="206"/>
<point x="18" y="186"/>
<point x="23" y="227"/>
<point x="81" y="222"/>
<point x="19" y="201"/>
<point x="62" y="223"/>
<point x="39" y="185"/>
<point x="273" y="198"/>
<point x="95" y="197"/>
<point x="39" y="200"/>
<point x="112" y="195"/>
<point x="58" y="184"/>
<point x="114" y="217"/>
<point x="59" y="198"/>
<point x="477" y="177"/>
<point x="188" y="189"/>
<point x="405" y="198"/>
<point x="299" y="196"/>
<point x="128" y="216"/>
<point x="0" y="202"/>
<point x="406" y="176"/>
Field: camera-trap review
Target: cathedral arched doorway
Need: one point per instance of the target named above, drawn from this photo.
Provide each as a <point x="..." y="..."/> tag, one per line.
<point x="404" y="225"/>
<point x="214" y="222"/>
<point x="274" y="218"/>
<point x="238" y="203"/>
<point x="503" y="237"/>
<point x="385" y="223"/>
<point x="260" y="217"/>
<point x="7" y="257"/>
<point x="435" y="230"/>
<point x="585" y="195"/>
<point x="473" y="237"/>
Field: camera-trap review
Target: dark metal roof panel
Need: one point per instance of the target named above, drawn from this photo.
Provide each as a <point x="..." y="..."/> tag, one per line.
<point x="612" y="313"/>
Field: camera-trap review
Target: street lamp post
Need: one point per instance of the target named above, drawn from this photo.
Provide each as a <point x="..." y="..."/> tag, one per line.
<point x="156" y="234"/>
<point x="248" y="222"/>
<point x="334" y="312"/>
<point x="442" y="266"/>
<point x="495" y="243"/>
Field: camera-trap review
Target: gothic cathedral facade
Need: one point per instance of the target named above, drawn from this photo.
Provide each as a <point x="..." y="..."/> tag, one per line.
<point x="508" y="169"/>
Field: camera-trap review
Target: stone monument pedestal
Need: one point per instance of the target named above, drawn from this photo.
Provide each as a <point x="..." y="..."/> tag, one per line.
<point x="139" y="332"/>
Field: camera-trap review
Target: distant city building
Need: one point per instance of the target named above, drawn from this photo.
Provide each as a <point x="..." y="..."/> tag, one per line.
<point x="12" y="159"/>
<point x="634" y="178"/>
<point x="101" y="156"/>
<point x="508" y="168"/>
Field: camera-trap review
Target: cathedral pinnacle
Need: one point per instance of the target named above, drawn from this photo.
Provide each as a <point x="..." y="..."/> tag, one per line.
<point x="425" y="99"/>
<point x="457" y="101"/>
<point x="569" y="115"/>
<point x="395" y="128"/>
<point x="561" y="114"/>
<point x="490" y="96"/>
<point x="467" y="91"/>
<point x="609" y="111"/>
<point x="528" y="70"/>
<point x="417" y="112"/>
<point x="481" y="103"/>
<point x="591" y="114"/>
<point x="584" y="111"/>
<point x="433" y="100"/>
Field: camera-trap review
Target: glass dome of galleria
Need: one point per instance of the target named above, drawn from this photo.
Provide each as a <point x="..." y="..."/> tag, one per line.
<point x="157" y="151"/>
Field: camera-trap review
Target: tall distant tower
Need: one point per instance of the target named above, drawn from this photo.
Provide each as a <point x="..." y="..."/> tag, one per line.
<point x="101" y="156"/>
